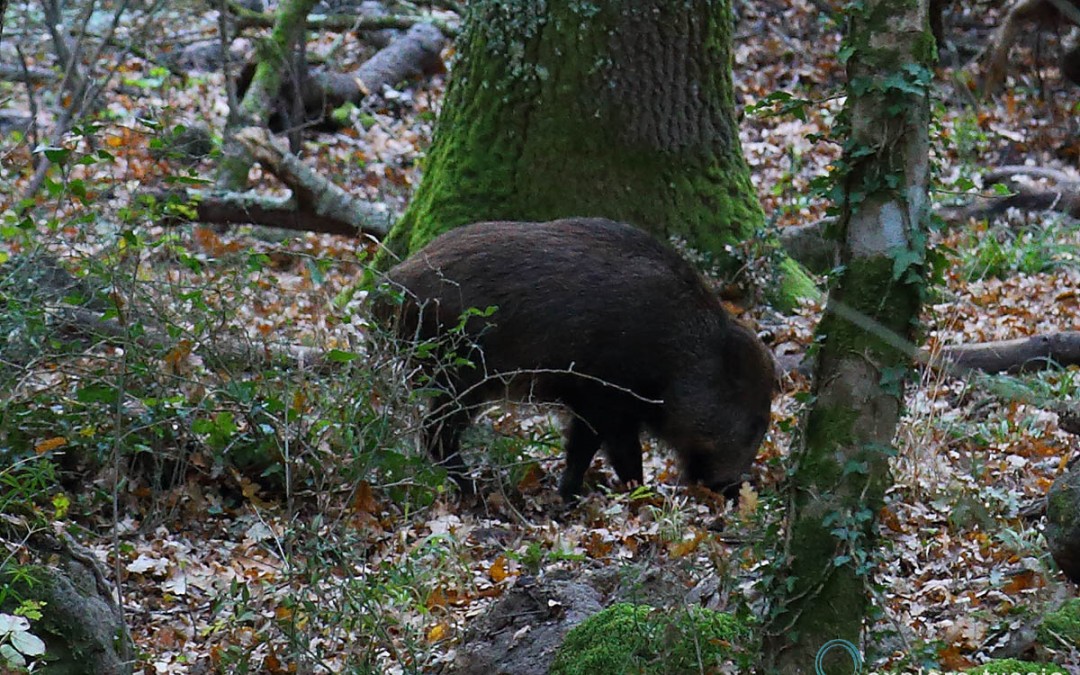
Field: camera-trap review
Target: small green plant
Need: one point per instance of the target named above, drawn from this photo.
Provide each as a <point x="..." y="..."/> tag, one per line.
<point x="536" y="556"/>
<point x="628" y="638"/>
<point x="1014" y="666"/>
<point x="1062" y="627"/>
<point x="19" y="647"/>
<point x="1000" y="252"/>
<point x="969" y="138"/>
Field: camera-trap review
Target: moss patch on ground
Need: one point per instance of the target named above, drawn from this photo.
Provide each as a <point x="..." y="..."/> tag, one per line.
<point x="629" y="638"/>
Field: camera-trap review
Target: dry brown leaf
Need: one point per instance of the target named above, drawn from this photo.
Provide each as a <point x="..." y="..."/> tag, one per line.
<point x="41" y="447"/>
<point x="497" y="572"/>
<point x="438" y="632"/>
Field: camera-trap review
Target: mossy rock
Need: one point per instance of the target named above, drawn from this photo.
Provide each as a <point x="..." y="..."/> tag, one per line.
<point x="627" y="638"/>
<point x="1062" y="625"/>
<point x="1016" y="667"/>
<point x="1063" y="522"/>
<point x="80" y="624"/>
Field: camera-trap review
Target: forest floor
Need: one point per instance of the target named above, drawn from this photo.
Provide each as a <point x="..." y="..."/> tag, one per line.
<point x="220" y="572"/>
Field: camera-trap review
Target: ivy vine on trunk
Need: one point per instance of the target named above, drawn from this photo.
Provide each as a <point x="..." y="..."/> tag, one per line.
<point x="841" y="472"/>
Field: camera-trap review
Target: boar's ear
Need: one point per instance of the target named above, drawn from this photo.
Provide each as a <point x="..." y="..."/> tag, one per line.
<point x="749" y="361"/>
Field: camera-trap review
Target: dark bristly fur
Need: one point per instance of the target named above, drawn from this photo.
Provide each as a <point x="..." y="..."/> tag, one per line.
<point x="597" y="316"/>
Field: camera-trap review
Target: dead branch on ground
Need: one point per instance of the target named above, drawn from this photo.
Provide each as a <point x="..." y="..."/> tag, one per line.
<point x="1063" y="197"/>
<point x="1038" y="352"/>
<point x="246" y="18"/>
<point x="316" y="204"/>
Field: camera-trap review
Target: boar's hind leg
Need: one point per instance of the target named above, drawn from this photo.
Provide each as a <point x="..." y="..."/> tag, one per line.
<point x="442" y="437"/>
<point x="582" y="442"/>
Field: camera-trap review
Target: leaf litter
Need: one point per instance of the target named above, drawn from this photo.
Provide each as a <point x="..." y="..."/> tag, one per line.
<point x="962" y="566"/>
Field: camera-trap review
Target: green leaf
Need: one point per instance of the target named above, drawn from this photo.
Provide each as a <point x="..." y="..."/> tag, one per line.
<point x="55" y="155"/>
<point x="78" y="188"/>
<point x="97" y="393"/>
<point x="964" y="184"/>
<point x="256" y="262"/>
<point x="904" y="259"/>
<point x="339" y="356"/>
<point x="27" y="643"/>
<point x="10" y="657"/>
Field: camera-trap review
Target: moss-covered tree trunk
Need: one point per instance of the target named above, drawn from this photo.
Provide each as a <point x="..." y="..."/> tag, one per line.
<point x="258" y="100"/>
<point x="620" y="109"/>
<point x="841" y="470"/>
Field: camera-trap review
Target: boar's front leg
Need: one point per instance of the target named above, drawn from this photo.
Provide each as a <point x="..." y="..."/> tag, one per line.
<point x="582" y="442"/>
<point x="623" y="447"/>
<point x="446" y="419"/>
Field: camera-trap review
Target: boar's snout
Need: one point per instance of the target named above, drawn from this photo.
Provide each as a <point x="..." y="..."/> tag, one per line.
<point x="723" y="462"/>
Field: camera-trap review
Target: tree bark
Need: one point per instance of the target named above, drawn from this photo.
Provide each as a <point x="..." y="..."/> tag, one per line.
<point x="81" y="624"/>
<point x="622" y="109"/>
<point x="841" y="468"/>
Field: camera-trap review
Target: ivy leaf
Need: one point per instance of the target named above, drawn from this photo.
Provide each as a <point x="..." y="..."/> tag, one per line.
<point x="903" y="260"/>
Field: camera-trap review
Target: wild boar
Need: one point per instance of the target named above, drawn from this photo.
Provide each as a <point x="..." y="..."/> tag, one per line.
<point x="599" y="317"/>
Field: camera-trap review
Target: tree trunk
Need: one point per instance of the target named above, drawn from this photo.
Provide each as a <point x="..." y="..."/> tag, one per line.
<point x="619" y="109"/>
<point x="258" y="101"/>
<point x="841" y="468"/>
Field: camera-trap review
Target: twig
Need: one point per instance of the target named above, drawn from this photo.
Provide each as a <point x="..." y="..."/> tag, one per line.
<point x="31" y="98"/>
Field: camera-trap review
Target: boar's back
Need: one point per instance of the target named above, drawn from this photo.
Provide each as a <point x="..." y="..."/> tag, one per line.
<point x="588" y="295"/>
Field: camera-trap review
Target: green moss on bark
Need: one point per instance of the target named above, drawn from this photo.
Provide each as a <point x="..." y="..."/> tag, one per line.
<point x="867" y="288"/>
<point x="793" y="284"/>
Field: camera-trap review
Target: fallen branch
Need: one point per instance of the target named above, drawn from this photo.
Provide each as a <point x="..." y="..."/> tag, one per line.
<point x="411" y="55"/>
<point x="312" y="191"/>
<point x="1064" y="197"/>
<point x="1038" y="352"/>
<point x="1021" y="355"/>
<point x="245" y="208"/>
<point x="29" y="75"/>
<point x="87" y="324"/>
<point x="316" y="204"/>
<point x="1004" y="173"/>
<point x="246" y="18"/>
<point x="414" y="54"/>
